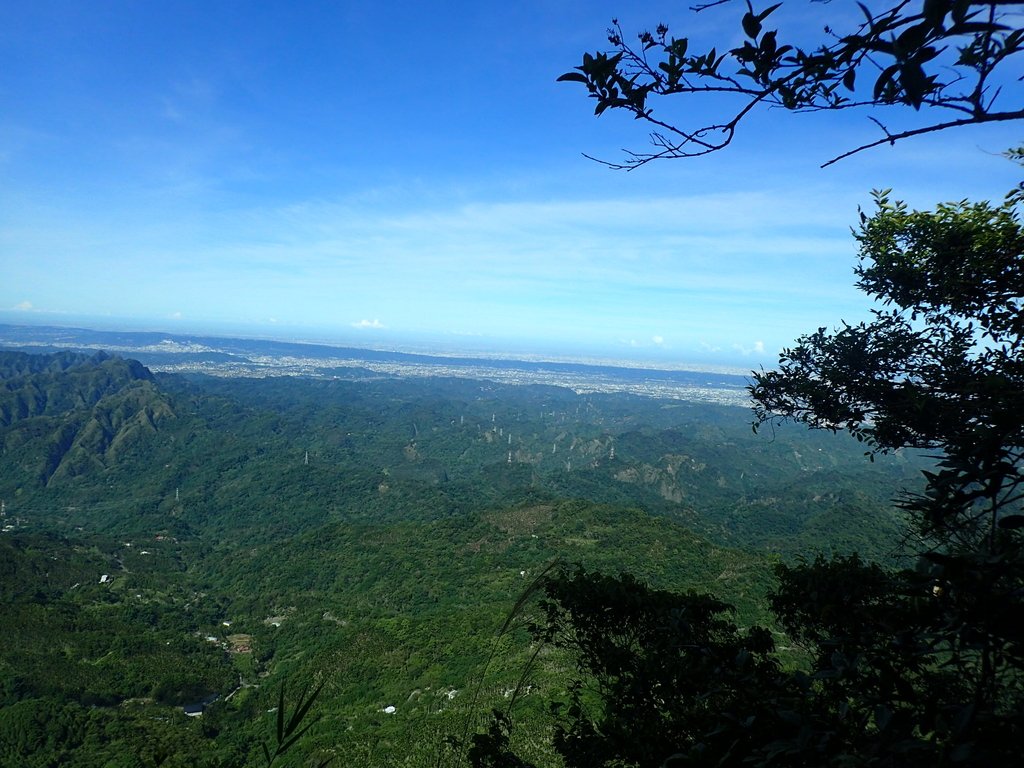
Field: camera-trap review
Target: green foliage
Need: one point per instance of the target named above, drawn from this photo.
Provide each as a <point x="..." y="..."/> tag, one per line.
<point x="931" y="668"/>
<point x="384" y="567"/>
<point x="890" y="676"/>
<point x="938" y="368"/>
<point x="292" y="728"/>
<point x="668" y="669"/>
<point x="491" y="749"/>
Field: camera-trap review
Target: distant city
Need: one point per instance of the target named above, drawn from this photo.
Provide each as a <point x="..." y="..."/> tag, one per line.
<point x="240" y="357"/>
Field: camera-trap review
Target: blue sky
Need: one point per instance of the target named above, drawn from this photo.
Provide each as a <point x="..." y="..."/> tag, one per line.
<point x="399" y="174"/>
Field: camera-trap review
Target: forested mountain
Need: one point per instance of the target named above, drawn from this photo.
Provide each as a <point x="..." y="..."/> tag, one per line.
<point x="171" y="541"/>
<point x="66" y="414"/>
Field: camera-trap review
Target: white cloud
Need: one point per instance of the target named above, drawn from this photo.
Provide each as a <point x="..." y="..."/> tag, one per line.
<point x="375" y="323"/>
<point x="659" y="340"/>
<point x="175" y="316"/>
<point x="756" y="349"/>
<point x="23" y="306"/>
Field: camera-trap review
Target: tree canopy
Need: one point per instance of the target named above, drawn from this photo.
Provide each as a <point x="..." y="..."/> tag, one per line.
<point x="938" y="367"/>
<point x="951" y="56"/>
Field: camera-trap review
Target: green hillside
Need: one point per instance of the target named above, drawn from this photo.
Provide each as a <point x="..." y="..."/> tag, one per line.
<point x="169" y="541"/>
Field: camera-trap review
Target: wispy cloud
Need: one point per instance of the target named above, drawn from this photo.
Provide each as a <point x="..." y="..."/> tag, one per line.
<point x="756" y="349"/>
<point x="698" y="243"/>
<point x="646" y="268"/>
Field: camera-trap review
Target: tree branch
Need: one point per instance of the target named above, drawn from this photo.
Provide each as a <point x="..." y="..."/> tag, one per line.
<point x="892" y="138"/>
<point x="940" y="54"/>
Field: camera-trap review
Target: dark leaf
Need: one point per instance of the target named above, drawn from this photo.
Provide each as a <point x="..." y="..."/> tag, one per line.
<point x="849" y="78"/>
<point x="573" y="77"/>
<point x="751" y="25"/>
<point x="912" y="37"/>
<point x="885" y="79"/>
<point x="914" y="83"/>
<point x="960" y="10"/>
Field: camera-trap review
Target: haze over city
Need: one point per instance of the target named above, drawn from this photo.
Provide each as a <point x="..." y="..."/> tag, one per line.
<point x="407" y="175"/>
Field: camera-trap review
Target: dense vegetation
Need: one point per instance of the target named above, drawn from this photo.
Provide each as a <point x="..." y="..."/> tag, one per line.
<point x="171" y="542"/>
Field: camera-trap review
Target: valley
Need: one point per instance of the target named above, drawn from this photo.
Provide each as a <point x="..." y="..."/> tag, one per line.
<point x="177" y="541"/>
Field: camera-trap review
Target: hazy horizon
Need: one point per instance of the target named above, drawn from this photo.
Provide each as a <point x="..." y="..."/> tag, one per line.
<point x="454" y="346"/>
